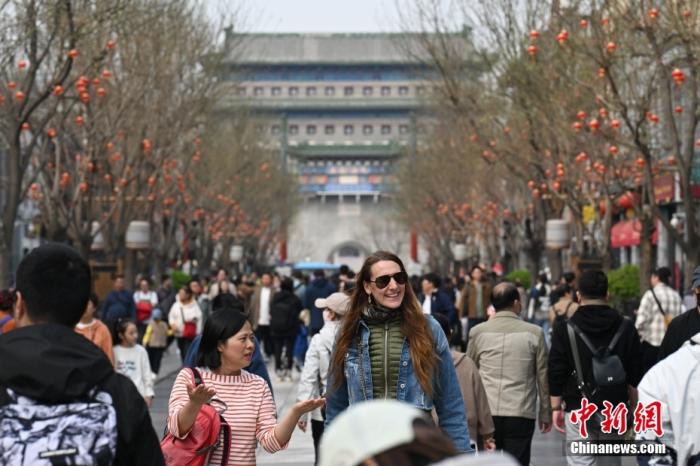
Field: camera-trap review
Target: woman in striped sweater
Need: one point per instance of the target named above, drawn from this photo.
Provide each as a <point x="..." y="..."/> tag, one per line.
<point x="227" y="347"/>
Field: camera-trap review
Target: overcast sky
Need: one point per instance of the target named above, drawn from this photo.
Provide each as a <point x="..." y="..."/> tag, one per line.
<point x="313" y="15"/>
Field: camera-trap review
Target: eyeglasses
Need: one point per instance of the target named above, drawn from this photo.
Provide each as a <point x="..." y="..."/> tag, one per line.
<point x="383" y="281"/>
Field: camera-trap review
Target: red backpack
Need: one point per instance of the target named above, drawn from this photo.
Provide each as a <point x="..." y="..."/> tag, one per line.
<point x="203" y="439"/>
<point x="143" y="310"/>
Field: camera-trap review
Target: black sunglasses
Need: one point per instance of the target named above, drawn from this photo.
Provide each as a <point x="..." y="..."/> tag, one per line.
<point x="383" y="281"/>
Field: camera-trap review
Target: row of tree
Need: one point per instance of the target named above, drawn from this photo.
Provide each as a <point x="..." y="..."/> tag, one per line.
<point x="108" y="114"/>
<point x="548" y="109"/>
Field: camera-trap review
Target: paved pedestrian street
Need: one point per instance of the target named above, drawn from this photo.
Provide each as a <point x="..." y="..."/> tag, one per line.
<point x="547" y="449"/>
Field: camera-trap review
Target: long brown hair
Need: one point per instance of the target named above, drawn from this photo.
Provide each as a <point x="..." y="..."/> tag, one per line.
<point x="414" y="326"/>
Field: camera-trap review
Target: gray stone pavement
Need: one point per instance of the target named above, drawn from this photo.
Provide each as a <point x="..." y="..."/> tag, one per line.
<point x="547" y="449"/>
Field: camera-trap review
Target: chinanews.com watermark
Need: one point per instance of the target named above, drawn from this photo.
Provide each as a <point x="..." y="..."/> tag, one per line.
<point x="613" y="448"/>
<point x="611" y="419"/>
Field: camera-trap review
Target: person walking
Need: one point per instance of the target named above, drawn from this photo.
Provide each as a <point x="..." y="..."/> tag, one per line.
<point x="320" y="287"/>
<point x="222" y="284"/>
<point x="564" y="307"/>
<point x="683" y="327"/>
<point x="94" y="329"/>
<point x="595" y="327"/>
<point x="119" y="304"/>
<point x="511" y="356"/>
<point x="62" y="379"/>
<point x="314" y="376"/>
<point x="145" y="301"/>
<point x="284" y="327"/>
<point x="260" y="306"/>
<point x="155" y="340"/>
<point x="476" y="402"/>
<point x="474" y="301"/>
<point x="387" y="348"/>
<point x="539" y="303"/>
<point x="434" y="300"/>
<point x="659" y="305"/>
<point x="226" y="348"/>
<point x="185" y="320"/>
<point x="131" y="359"/>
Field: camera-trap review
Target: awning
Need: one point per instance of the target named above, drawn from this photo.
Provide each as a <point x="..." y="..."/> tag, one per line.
<point x="626" y="233"/>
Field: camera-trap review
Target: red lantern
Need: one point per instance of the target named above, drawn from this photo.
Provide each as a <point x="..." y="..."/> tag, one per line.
<point x="603" y="112"/>
<point x="601" y="73"/>
<point x="581" y="157"/>
<point x="615" y="124"/>
<point x="678" y="76"/>
<point x="563" y="36"/>
<point x="111" y="44"/>
<point x="51" y="133"/>
<point x="611" y="47"/>
<point x="12" y="85"/>
<point x="79" y="120"/>
<point x="594" y="125"/>
<point x="26" y="126"/>
<point x="19" y="96"/>
<point x="536" y="193"/>
<point x="106" y="74"/>
<point x="534" y="35"/>
<point x="577" y="126"/>
<point x="626" y="201"/>
<point x="532" y="50"/>
<point x="583" y="24"/>
<point x="640" y="162"/>
<point x="581" y="115"/>
<point x="613" y="150"/>
<point x="73" y="53"/>
<point x="556" y="186"/>
<point x="58" y="90"/>
<point x="653" y="13"/>
<point x="22" y="64"/>
<point x="101" y="91"/>
<point x="83" y="187"/>
<point x="531" y="184"/>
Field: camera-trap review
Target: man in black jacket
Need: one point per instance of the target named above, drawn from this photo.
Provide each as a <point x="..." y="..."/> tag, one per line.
<point x="599" y="322"/>
<point x="684" y="326"/>
<point x="45" y="360"/>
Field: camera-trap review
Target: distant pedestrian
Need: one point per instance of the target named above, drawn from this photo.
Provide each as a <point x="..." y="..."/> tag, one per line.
<point x="474" y="301"/>
<point x="659" y="305"/>
<point x="131" y="359"/>
<point x="320" y="287"/>
<point x="165" y="291"/>
<point x="146" y="300"/>
<point x="512" y="359"/>
<point x="94" y="329"/>
<point x="222" y="284"/>
<point x="564" y="307"/>
<point x="227" y="347"/>
<point x="539" y="303"/>
<point x="185" y="320"/>
<point x="386" y="335"/>
<point x="284" y="326"/>
<point x="119" y="303"/>
<point x="260" y="306"/>
<point x="155" y="340"/>
<point x="434" y="300"/>
<point x="314" y="376"/>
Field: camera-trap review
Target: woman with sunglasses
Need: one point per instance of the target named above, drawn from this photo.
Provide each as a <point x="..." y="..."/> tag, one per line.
<point x="388" y="349"/>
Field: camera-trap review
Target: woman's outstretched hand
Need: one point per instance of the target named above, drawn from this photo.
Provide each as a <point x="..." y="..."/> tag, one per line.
<point x="305" y="406"/>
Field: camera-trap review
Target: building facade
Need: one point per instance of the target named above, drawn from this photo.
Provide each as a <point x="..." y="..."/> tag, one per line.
<point x="342" y="109"/>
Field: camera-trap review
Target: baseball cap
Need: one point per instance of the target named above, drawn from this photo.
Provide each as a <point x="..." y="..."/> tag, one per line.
<point x="367" y="429"/>
<point x="157" y="314"/>
<point x="337" y="302"/>
<point x="696" y="278"/>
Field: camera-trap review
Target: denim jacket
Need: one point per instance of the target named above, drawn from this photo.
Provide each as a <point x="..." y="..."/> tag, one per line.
<point x="447" y="396"/>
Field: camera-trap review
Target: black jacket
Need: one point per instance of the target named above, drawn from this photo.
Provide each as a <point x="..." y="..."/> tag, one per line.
<point x="284" y="314"/>
<point x="680" y="330"/>
<point x="54" y="364"/>
<point x="599" y="323"/>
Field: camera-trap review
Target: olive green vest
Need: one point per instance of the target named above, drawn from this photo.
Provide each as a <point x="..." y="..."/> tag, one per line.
<point x="385" y="345"/>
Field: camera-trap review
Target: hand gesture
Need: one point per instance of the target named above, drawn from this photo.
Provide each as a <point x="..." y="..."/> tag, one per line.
<point x="545" y="427"/>
<point x="303" y="407"/>
<point x="490" y="444"/>
<point x="200" y="394"/>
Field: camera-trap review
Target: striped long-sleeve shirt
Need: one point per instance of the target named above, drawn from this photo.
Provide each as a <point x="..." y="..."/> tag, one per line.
<point x="251" y="412"/>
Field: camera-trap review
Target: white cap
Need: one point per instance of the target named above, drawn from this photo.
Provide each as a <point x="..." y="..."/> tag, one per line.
<point x="336" y="302"/>
<point x="367" y="429"/>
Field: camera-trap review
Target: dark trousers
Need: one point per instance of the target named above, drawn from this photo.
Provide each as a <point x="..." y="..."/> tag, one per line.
<point x="265" y="339"/>
<point x="183" y="345"/>
<point x="316" y="433"/>
<point x="471" y="323"/>
<point x="155" y="355"/>
<point x="286" y="343"/>
<point x="650" y="354"/>
<point x="514" y="435"/>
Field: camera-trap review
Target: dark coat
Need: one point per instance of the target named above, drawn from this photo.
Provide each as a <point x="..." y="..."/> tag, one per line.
<point x="319" y="288"/>
<point x="440" y="303"/>
<point x="284" y="314"/>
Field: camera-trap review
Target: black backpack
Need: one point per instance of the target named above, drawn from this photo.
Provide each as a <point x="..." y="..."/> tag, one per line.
<point x="608" y="370"/>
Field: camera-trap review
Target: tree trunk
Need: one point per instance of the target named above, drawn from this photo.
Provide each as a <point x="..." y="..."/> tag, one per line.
<point x="5" y="263"/>
<point x="645" y="252"/>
